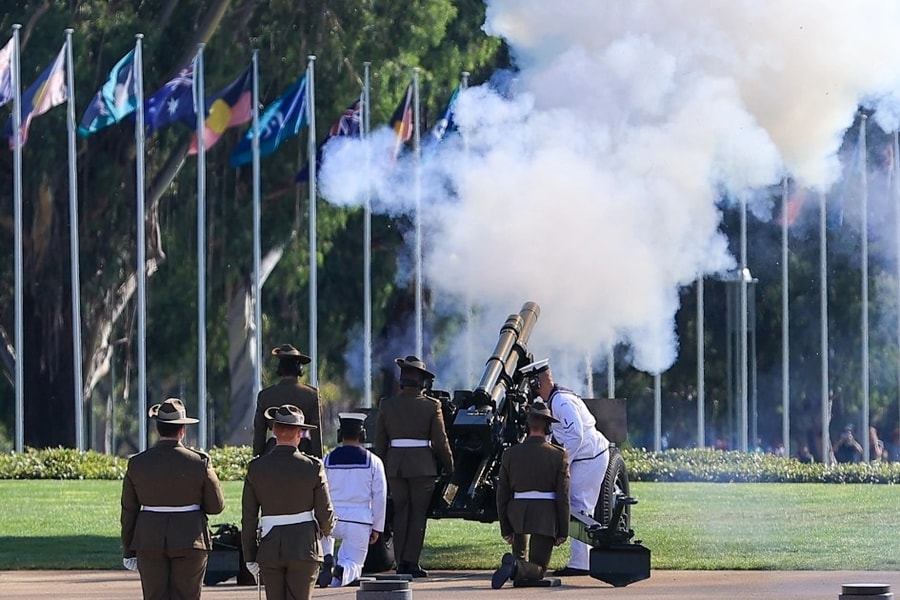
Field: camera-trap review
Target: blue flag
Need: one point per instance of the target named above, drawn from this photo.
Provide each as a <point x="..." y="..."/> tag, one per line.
<point x="174" y="102"/>
<point x="446" y="123"/>
<point x="116" y="99"/>
<point x="282" y="119"/>
<point x="6" y="91"/>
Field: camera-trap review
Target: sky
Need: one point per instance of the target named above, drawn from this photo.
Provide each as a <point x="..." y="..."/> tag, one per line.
<point x="594" y="186"/>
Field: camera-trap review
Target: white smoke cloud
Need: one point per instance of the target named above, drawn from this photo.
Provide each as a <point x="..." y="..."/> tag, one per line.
<point x="593" y="190"/>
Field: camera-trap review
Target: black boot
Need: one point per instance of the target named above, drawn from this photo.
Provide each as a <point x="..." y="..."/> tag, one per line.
<point x="415" y="570"/>
<point x="324" y="579"/>
<point x="507" y="571"/>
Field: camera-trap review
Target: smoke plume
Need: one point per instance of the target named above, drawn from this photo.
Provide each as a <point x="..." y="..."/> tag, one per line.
<point x="594" y="187"/>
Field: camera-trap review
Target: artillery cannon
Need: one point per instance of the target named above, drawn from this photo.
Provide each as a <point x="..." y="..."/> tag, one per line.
<point x="484" y="422"/>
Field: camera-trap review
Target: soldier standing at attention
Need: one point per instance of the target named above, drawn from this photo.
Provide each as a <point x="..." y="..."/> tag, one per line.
<point x="358" y="489"/>
<point x="532" y="501"/>
<point x="167" y="492"/>
<point x="410" y="433"/>
<point x="289" y="391"/>
<point x="577" y="432"/>
<point x="290" y="489"/>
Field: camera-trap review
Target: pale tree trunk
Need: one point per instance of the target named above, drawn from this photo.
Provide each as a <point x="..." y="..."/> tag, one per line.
<point x="242" y="353"/>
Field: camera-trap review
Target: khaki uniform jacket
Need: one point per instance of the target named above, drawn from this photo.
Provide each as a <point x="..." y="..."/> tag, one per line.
<point x="283" y="482"/>
<point x="412" y="415"/>
<point x="168" y="474"/>
<point x="288" y="391"/>
<point x="535" y="465"/>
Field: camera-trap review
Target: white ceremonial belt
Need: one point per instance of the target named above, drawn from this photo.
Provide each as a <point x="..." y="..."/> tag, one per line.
<point x="534" y="496"/>
<point x="409" y="443"/>
<point x="267" y="522"/>
<point x="171" y="509"/>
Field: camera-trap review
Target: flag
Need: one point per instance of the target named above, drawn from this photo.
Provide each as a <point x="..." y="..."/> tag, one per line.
<point x="445" y="124"/>
<point x="229" y="108"/>
<point x="114" y="101"/>
<point x="48" y="91"/>
<point x="792" y="208"/>
<point x="6" y="90"/>
<point x="282" y="119"/>
<point x="402" y="120"/>
<point x="347" y="125"/>
<point x="174" y="102"/>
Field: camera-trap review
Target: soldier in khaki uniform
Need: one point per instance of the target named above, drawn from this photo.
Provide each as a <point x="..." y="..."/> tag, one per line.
<point x="167" y="492"/>
<point x="289" y="390"/>
<point x="410" y="433"/>
<point x="532" y="500"/>
<point x="289" y="488"/>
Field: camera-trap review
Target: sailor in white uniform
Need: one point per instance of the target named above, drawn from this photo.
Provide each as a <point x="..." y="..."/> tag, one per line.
<point x="587" y="447"/>
<point x="358" y="489"/>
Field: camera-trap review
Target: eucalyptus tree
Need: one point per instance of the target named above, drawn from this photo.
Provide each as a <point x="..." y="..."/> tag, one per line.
<point x="441" y="37"/>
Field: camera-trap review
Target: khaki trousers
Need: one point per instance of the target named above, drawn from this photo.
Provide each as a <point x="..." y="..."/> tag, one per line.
<point x="411" y="497"/>
<point x="540" y="547"/>
<point x="289" y="579"/>
<point x="172" y="574"/>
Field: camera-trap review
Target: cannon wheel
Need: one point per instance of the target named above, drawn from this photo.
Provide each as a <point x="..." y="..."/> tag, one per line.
<point x="615" y="482"/>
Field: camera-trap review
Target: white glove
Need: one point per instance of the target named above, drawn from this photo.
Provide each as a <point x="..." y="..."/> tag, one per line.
<point x="253" y="567"/>
<point x="130" y="563"/>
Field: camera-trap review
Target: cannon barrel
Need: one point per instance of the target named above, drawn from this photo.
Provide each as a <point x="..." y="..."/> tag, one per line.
<point x="500" y="368"/>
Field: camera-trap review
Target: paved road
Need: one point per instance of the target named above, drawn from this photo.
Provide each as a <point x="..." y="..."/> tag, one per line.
<point x="475" y="585"/>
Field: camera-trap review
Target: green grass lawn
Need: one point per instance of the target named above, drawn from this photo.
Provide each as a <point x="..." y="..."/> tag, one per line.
<point x="52" y="524"/>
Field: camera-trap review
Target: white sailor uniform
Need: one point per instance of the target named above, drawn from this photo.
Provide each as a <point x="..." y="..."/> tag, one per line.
<point x="358" y="488"/>
<point x="588" y="452"/>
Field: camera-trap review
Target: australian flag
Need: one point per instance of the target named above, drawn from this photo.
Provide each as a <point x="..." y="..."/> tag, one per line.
<point x="347" y="125"/>
<point x="174" y="102"/>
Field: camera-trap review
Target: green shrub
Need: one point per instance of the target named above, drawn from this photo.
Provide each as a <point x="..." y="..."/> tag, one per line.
<point x="708" y="465"/>
<point x="60" y="463"/>
<point x="700" y="465"/>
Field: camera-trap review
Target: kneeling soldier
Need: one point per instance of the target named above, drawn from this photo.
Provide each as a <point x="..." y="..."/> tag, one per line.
<point x="532" y="501"/>
<point x="359" y="491"/>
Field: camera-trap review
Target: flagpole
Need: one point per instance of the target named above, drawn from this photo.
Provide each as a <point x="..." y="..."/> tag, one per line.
<point x="657" y="412"/>
<point x="470" y="310"/>
<point x="823" y="326"/>
<point x="785" y="326"/>
<point x="257" y="299"/>
<point x="701" y="367"/>
<point x="610" y="372"/>
<point x="420" y="343"/>
<point x="588" y="376"/>
<point x="864" y="234"/>
<point x="895" y="190"/>
<point x="745" y="272"/>
<point x="17" y="210"/>
<point x="367" y="250"/>
<point x="73" y="249"/>
<point x="313" y="263"/>
<point x="140" y="273"/>
<point x="200" y="111"/>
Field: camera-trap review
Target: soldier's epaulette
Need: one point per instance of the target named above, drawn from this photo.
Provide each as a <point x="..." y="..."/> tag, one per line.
<point x="312" y="457"/>
<point x="203" y="455"/>
<point x="557" y="446"/>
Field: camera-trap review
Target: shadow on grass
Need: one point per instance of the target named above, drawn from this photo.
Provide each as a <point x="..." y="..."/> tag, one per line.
<point x="60" y="552"/>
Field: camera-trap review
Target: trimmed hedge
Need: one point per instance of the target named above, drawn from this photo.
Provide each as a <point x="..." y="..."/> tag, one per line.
<point x="699" y="465"/>
<point x="708" y="465"/>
